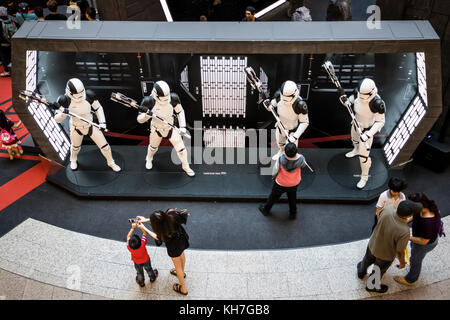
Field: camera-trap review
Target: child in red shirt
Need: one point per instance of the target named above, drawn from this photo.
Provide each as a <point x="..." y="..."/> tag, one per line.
<point x="139" y="255"/>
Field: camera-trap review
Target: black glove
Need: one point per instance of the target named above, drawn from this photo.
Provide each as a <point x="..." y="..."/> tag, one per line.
<point x="341" y="91"/>
<point x="54" y="105"/>
<point x="143" y="109"/>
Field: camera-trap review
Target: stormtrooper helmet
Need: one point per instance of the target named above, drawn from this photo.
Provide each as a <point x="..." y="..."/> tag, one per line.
<point x="289" y="92"/>
<point x="161" y="92"/>
<point x="367" y="90"/>
<point x="75" y="90"/>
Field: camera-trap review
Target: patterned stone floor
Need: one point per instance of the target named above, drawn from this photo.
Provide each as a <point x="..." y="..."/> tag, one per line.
<point x="41" y="261"/>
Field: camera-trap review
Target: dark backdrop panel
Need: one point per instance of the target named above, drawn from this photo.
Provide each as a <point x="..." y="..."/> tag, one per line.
<point x="395" y="75"/>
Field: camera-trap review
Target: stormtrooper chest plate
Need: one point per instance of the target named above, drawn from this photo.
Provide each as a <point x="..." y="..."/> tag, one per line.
<point x="363" y="114"/>
<point x="83" y="109"/>
<point x="287" y="115"/>
<point x="163" y="111"/>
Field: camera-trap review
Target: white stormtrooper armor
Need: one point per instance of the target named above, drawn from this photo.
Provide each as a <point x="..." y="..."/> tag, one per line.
<point x="293" y="113"/>
<point x="370" y="113"/>
<point x="80" y="102"/>
<point x="164" y="104"/>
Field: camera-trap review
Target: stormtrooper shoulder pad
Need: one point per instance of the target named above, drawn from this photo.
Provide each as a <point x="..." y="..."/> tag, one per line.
<point x="300" y="106"/>
<point x="174" y="99"/>
<point x="377" y="105"/>
<point x="64" y="101"/>
<point x="148" y="102"/>
<point x="90" y="96"/>
<point x="277" y="96"/>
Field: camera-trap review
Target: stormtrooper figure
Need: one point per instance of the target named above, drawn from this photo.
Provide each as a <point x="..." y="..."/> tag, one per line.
<point x="293" y="113"/>
<point x="369" y="111"/>
<point x="80" y="102"/>
<point x="165" y="105"/>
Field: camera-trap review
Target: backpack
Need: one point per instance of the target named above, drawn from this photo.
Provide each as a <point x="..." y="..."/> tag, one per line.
<point x="8" y="29"/>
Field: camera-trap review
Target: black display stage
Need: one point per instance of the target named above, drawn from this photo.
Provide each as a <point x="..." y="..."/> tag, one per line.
<point x="334" y="177"/>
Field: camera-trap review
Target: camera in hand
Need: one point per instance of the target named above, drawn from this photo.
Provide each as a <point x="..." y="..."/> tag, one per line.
<point x="133" y="220"/>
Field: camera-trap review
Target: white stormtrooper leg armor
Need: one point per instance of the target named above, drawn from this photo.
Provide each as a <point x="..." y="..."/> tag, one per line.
<point x="179" y="146"/>
<point x="281" y="142"/>
<point x="355" y="141"/>
<point x="153" y="145"/>
<point x="365" y="162"/>
<point x="76" y="140"/>
<point x="99" y="139"/>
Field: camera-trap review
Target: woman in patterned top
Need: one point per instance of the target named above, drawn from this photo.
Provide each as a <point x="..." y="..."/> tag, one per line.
<point x="9" y="139"/>
<point x="425" y="234"/>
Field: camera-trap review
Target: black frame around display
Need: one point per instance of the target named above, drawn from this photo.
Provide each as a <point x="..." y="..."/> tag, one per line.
<point x="232" y="38"/>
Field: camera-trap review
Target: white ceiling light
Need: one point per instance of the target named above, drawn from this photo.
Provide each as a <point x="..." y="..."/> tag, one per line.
<point x="166" y="10"/>
<point x="269" y="8"/>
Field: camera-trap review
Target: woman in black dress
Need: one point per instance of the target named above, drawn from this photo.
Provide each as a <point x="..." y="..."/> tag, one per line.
<point x="168" y="228"/>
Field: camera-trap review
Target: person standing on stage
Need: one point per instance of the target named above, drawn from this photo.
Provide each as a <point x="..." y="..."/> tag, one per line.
<point x="287" y="176"/>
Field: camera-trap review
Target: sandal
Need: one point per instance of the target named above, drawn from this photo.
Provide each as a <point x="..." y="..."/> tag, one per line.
<point x="177" y="288"/>
<point x="174" y="272"/>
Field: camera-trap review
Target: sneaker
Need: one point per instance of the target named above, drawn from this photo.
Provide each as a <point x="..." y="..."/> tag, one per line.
<point x="361" y="275"/>
<point x="152" y="279"/>
<point x="141" y="284"/>
<point x="263" y="210"/>
<point x="5" y="74"/>
<point x="383" y="288"/>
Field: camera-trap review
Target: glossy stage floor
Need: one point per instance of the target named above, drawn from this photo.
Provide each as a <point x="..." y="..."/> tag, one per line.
<point x="334" y="177"/>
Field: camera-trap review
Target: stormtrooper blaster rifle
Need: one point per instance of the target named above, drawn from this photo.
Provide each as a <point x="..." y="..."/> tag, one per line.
<point x="329" y="68"/>
<point x="256" y="84"/>
<point x="27" y="95"/>
<point x="130" y="103"/>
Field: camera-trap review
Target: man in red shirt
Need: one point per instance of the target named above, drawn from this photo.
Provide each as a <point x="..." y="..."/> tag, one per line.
<point x="139" y="255"/>
<point x="287" y="176"/>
